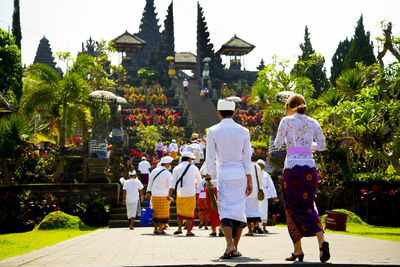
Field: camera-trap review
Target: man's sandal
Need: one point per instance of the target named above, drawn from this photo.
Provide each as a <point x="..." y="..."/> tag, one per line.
<point x="177" y="232"/>
<point x="237" y="254"/>
<point x="226" y="256"/>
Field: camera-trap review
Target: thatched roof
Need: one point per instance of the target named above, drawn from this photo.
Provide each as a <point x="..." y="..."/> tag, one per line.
<point x="236" y="46"/>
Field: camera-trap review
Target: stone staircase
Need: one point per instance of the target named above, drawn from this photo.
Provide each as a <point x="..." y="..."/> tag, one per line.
<point x="203" y="111"/>
<point x="118" y="216"/>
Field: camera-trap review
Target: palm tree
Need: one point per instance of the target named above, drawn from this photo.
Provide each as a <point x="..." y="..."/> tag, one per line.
<point x="14" y="131"/>
<point x="351" y="82"/>
<point x="52" y="96"/>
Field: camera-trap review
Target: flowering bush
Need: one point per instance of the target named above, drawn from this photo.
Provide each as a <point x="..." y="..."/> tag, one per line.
<point x="249" y="117"/>
<point x="74" y="143"/>
<point x="140" y="116"/>
<point x="136" y="99"/>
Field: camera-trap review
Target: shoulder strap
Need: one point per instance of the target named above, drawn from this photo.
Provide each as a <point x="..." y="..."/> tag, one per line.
<point x="258" y="185"/>
<point x="158" y="174"/>
<point x="181" y="178"/>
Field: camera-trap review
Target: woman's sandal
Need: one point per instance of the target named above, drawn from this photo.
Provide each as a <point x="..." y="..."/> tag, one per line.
<point x="213" y="234"/>
<point x="249" y="234"/>
<point x="177" y="232"/>
<point x="226" y="256"/>
<point x="294" y="257"/>
<point x="325" y="252"/>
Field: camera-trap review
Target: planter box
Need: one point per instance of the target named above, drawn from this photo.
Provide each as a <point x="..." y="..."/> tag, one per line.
<point x="335" y="221"/>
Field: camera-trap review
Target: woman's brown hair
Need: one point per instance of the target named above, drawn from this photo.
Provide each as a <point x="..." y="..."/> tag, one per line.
<point x="297" y="102"/>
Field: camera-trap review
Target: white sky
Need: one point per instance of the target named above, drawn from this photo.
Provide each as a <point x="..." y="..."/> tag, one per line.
<point x="274" y="27"/>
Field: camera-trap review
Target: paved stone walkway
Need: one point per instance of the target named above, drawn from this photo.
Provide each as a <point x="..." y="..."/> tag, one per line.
<point x="122" y="247"/>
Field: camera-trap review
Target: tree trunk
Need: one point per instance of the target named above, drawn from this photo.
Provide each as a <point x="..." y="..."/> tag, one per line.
<point x="63" y="126"/>
<point x="6" y="172"/>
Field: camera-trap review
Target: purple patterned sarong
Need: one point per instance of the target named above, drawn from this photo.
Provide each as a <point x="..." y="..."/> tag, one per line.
<point x="299" y="186"/>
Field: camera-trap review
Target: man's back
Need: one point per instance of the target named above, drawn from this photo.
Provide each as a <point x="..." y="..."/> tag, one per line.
<point x="144" y="166"/>
<point x="191" y="178"/>
<point x="228" y="143"/>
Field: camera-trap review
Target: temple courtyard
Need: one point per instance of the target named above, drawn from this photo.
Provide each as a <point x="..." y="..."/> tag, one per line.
<point x="122" y="247"/>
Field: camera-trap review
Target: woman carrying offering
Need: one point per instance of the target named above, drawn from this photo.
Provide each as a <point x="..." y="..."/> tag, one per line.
<point x="300" y="177"/>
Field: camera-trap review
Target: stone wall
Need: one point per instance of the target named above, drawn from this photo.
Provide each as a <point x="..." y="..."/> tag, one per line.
<point x="69" y="194"/>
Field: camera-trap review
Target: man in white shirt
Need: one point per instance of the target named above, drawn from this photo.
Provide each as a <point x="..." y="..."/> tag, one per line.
<point x="253" y="214"/>
<point x="130" y="196"/>
<point x="269" y="191"/>
<point x="173" y="147"/>
<point x="228" y="151"/>
<point x="160" y="179"/>
<point x="185" y="178"/>
<point x="144" y="167"/>
<point x="185" y="86"/>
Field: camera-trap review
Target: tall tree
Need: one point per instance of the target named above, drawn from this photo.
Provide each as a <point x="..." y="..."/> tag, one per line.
<point x="16" y="24"/>
<point x="338" y="59"/>
<point x="167" y="45"/>
<point x="311" y="65"/>
<point x="149" y="30"/>
<point x="361" y="49"/>
<point x="205" y="47"/>
<point x="10" y="67"/>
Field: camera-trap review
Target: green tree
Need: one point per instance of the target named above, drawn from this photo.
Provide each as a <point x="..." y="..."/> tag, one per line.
<point x="205" y="47"/>
<point x="338" y="59"/>
<point x="311" y="66"/>
<point x="55" y="98"/>
<point x="14" y="132"/>
<point x="10" y="67"/>
<point x="361" y="48"/>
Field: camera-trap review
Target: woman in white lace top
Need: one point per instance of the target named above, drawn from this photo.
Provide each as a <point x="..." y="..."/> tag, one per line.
<point x="301" y="134"/>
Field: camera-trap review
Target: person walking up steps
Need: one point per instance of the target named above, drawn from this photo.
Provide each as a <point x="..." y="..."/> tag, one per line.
<point x="300" y="176"/>
<point x="228" y="151"/>
<point x="173" y="148"/>
<point x="160" y="179"/>
<point x="185" y="178"/>
<point x="144" y="167"/>
<point x="185" y="86"/>
<point x="130" y="196"/>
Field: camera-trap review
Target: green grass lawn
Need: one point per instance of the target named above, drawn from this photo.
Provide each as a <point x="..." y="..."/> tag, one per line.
<point x="21" y="243"/>
<point x="355" y="226"/>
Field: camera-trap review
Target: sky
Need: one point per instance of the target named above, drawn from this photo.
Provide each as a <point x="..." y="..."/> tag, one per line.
<point x="274" y="27"/>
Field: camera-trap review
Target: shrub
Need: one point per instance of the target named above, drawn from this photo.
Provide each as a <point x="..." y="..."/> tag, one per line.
<point x="35" y="208"/>
<point x="60" y="220"/>
<point x="94" y="211"/>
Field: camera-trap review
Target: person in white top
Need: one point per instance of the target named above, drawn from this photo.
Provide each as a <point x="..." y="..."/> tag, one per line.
<point x="300" y="176"/>
<point x="173" y="148"/>
<point x="144" y="168"/>
<point x="185" y="86"/>
<point x="195" y="148"/>
<point x="185" y="178"/>
<point x="270" y="192"/>
<point x="160" y="179"/>
<point x="228" y="152"/>
<point x="130" y="196"/>
<point x="253" y="214"/>
<point x="202" y="205"/>
<point x="159" y="149"/>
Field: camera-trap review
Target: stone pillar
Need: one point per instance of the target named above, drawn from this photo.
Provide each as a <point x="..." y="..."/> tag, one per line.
<point x="117" y="141"/>
<point x="98" y="144"/>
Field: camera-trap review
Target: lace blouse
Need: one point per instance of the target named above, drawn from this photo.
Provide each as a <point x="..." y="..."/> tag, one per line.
<point x="299" y="130"/>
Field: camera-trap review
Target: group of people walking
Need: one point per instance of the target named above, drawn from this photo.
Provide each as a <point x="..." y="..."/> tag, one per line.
<point x="235" y="189"/>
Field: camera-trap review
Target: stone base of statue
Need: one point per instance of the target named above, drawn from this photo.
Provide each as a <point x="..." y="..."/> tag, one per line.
<point x="97" y="170"/>
<point x="116" y="160"/>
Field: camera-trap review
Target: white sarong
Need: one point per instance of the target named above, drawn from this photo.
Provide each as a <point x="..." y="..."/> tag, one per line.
<point x="131" y="209"/>
<point x="232" y="199"/>
<point x="263" y="207"/>
<point x="252" y="209"/>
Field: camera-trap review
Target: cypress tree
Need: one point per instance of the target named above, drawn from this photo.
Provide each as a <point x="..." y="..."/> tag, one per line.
<point x="338" y="59"/>
<point x="361" y="49"/>
<point x="16" y="25"/>
<point x="205" y="48"/>
<point x="316" y="71"/>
